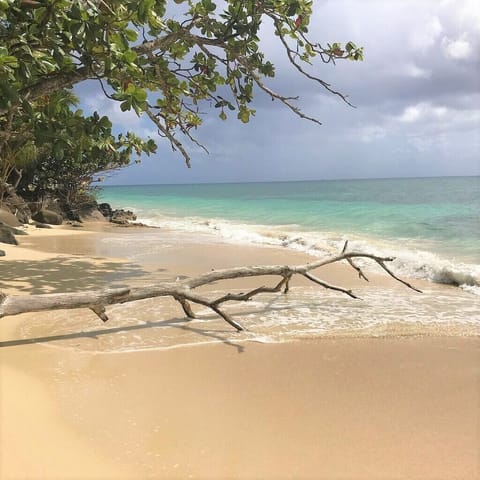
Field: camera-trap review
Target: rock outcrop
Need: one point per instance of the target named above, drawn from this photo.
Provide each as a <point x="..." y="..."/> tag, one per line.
<point x="106" y="210"/>
<point x="7" y="236"/>
<point x="8" y="218"/>
<point x="16" y="205"/>
<point x="49" y="217"/>
<point x="122" y="217"/>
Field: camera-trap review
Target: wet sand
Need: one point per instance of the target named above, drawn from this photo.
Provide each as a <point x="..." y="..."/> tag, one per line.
<point x="362" y="408"/>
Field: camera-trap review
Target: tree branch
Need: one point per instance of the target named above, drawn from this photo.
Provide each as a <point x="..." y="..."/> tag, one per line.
<point x="184" y="291"/>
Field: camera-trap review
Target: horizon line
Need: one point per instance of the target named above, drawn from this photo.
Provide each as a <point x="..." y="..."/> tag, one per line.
<point x="287" y="181"/>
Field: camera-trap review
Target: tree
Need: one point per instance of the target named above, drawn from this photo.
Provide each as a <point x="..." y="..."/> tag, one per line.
<point x="71" y="149"/>
<point x="158" y="58"/>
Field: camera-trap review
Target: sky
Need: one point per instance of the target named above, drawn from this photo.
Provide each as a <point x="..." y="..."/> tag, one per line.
<point x="416" y="97"/>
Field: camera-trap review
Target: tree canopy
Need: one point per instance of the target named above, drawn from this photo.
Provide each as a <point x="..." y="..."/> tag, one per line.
<point x="161" y="59"/>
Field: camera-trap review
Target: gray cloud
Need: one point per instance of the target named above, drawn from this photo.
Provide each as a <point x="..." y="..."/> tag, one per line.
<point x="417" y="96"/>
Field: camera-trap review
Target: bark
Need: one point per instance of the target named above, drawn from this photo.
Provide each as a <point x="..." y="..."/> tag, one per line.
<point x="184" y="291"/>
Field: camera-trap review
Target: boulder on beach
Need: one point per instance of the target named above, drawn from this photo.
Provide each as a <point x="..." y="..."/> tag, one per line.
<point x="8" y="218"/>
<point x="41" y="225"/>
<point x="2" y="253"/>
<point x="14" y="205"/>
<point x="123" y="217"/>
<point x="105" y="209"/>
<point x="13" y="230"/>
<point x="49" y="217"/>
<point x="6" y="235"/>
<point x="94" y="216"/>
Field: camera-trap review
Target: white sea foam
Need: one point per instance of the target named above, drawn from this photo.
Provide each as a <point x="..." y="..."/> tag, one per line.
<point x="410" y="260"/>
<point x="303" y="313"/>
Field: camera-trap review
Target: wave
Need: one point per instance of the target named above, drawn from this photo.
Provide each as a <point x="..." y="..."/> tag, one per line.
<point x="302" y="314"/>
<point x="411" y="260"/>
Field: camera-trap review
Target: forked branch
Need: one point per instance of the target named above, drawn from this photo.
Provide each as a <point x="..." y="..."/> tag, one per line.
<point x="183" y="291"/>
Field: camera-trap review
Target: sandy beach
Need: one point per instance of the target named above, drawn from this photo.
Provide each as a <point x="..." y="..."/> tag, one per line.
<point x="80" y="399"/>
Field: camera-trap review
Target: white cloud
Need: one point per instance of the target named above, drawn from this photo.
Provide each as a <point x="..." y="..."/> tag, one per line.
<point x="411" y="70"/>
<point x="424" y="38"/>
<point x="421" y="112"/>
<point x="370" y="133"/>
<point x="125" y="121"/>
<point x="411" y="114"/>
<point x="424" y="126"/>
<point x="425" y="144"/>
<point x="465" y="14"/>
<point x="458" y="49"/>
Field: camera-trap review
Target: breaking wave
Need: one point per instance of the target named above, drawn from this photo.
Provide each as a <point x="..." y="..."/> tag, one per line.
<point x="412" y="258"/>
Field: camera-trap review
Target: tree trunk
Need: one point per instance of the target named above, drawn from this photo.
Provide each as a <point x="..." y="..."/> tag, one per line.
<point x="184" y="291"/>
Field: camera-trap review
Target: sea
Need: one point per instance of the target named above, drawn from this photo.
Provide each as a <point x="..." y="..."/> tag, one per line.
<point x="430" y="225"/>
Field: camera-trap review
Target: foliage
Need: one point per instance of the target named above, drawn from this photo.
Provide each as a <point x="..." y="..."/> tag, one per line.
<point x="158" y="58"/>
<point x="71" y="148"/>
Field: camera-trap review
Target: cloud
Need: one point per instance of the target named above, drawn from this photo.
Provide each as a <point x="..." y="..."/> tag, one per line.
<point x="459" y="49"/>
<point x="412" y="70"/>
<point x="371" y="133"/>
<point x="425" y="38"/>
<point x="416" y="93"/>
<point x="122" y="121"/>
<point x="422" y="111"/>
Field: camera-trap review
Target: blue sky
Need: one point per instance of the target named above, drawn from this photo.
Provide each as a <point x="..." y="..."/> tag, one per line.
<point x="417" y="98"/>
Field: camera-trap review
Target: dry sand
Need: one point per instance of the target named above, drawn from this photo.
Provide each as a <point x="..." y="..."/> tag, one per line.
<point x="391" y="408"/>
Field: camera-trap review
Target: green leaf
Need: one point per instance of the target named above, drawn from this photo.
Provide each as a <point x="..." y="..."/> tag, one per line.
<point x="292" y="9"/>
<point x="9" y="61"/>
<point x="126" y="105"/>
<point x="58" y="151"/>
<point x="208" y="5"/>
<point x="243" y="115"/>
<point x="131" y="35"/>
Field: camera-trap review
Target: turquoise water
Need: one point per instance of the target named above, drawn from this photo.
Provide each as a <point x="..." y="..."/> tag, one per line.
<point x="431" y="224"/>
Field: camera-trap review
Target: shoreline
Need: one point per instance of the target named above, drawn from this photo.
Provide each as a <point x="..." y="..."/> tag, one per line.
<point x="105" y="256"/>
<point x="379" y="408"/>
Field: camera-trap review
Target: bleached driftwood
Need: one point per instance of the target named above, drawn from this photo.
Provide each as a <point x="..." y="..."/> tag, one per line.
<point x="184" y="293"/>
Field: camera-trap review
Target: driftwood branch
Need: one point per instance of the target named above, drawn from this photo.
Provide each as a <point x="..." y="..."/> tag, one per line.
<point x="184" y="291"/>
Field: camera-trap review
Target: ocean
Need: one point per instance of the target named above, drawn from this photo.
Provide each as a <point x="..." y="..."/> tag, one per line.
<point x="431" y="225"/>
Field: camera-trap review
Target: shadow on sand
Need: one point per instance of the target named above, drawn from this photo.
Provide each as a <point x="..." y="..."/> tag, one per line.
<point x="179" y="323"/>
<point x="64" y="275"/>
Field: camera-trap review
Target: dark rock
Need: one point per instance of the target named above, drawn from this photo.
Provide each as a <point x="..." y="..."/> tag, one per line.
<point x="48" y="216"/>
<point x="74" y="224"/>
<point x="2" y="253"/>
<point x="105" y="209"/>
<point x="119" y="221"/>
<point x="6" y="236"/>
<point x="71" y="213"/>
<point x="86" y="207"/>
<point x="53" y="205"/>
<point x="13" y="230"/>
<point x="41" y="225"/>
<point x="123" y="217"/>
<point x="15" y="204"/>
